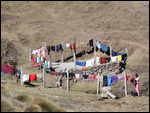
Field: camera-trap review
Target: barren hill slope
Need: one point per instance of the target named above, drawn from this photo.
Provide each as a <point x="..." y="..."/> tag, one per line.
<point x="28" y="24"/>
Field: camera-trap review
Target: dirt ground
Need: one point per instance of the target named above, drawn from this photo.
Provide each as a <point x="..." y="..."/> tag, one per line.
<point x="73" y="101"/>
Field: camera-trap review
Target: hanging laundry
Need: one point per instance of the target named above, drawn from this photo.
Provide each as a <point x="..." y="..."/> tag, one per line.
<point x="114" y="79"/>
<point x="120" y="53"/>
<point x="35" y="60"/>
<point x="48" y="49"/>
<point x="32" y="77"/>
<point x="39" y="76"/>
<point x="77" y="76"/>
<point x="72" y="46"/>
<point x="132" y="80"/>
<point x="67" y="45"/>
<point x="107" y="59"/>
<point x="98" y="60"/>
<point x="80" y="63"/>
<point x="46" y="64"/>
<point x="91" y="42"/>
<point x="98" y="44"/>
<point x="42" y="51"/>
<point x="101" y="78"/>
<point x="113" y="53"/>
<point x="53" y="48"/>
<point x="59" y="47"/>
<point x="119" y="57"/>
<point x="49" y="64"/>
<point x="124" y="56"/>
<point x="7" y="69"/>
<point x="103" y="60"/>
<point x="38" y="59"/>
<point x="85" y="76"/>
<point x="91" y="78"/>
<point x="25" y="77"/>
<point x="128" y="76"/>
<point x="109" y="81"/>
<point x="81" y="76"/>
<point x="114" y="58"/>
<point x="34" y="52"/>
<point x="120" y="77"/>
<point x="104" y="48"/>
<point x="52" y="69"/>
<point x="90" y="63"/>
<point x="53" y="73"/>
<point x="95" y="76"/>
<point x="104" y="81"/>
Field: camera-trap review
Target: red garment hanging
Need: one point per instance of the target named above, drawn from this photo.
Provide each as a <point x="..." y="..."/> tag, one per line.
<point x="32" y="77"/>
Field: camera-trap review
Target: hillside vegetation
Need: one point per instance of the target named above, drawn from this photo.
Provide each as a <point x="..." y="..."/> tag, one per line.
<point x="29" y="24"/>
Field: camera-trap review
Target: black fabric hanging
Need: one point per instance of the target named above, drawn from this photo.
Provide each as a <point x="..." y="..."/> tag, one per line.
<point x="104" y="81"/>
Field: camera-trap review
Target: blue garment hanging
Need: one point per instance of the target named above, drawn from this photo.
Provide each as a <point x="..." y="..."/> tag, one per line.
<point x="109" y="81"/>
<point x="81" y="63"/>
<point x="104" y="48"/>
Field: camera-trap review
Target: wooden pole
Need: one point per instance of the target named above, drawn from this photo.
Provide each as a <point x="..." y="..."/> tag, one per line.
<point x="30" y="58"/>
<point x="3" y="67"/>
<point x="68" y="85"/>
<point x="44" y="75"/>
<point x="62" y="53"/>
<point x="50" y="59"/>
<point x="40" y="61"/>
<point x="45" y="51"/>
<point x="74" y="54"/>
<point x="94" y="50"/>
<point x="110" y="50"/>
<point x="98" y="84"/>
<point x="21" y="76"/>
<point x="110" y="54"/>
<point x="125" y="81"/>
<point x="126" y="52"/>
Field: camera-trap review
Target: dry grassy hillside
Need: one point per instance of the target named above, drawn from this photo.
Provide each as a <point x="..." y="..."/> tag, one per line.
<point x="28" y="24"/>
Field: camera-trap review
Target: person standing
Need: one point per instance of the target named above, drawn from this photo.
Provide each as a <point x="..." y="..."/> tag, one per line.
<point x="137" y="84"/>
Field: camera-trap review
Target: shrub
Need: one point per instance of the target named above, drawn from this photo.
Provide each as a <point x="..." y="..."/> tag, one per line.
<point x="23" y="97"/>
<point x="47" y="106"/>
<point x="33" y="108"/>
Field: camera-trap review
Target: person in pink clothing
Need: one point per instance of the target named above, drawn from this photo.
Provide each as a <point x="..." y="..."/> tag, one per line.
<point x="137" y="84"/>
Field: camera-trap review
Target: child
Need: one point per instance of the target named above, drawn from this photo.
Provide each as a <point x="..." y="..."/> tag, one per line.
<point x="137" y="84"/>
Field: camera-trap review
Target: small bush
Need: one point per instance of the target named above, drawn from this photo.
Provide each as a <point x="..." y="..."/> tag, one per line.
<point x="23" y="98"/>
<point x="33" y="108"/>
<point x="47" y="106"/>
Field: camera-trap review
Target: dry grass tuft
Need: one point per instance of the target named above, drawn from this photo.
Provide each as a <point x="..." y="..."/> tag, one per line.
<point x="33" y="108"/>
<point x="47" y="106"/>
<point x="6" y="107"/>
<point x="23" y="97"/>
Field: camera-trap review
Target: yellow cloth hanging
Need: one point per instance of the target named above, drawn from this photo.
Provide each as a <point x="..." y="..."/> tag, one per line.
<point x="119" y="57"/>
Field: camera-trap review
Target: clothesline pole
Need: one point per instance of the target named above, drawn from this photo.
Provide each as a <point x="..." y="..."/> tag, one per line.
<point x="21" y="76"/>
<point x="125" y="84"/>
<point x="62" y="53"/>
<point x="74" y="54"/>
<point x="45" y="51"/>
<point x="29" y="57"/>
<point x="40" y="61"/>
<point x="98" y="84"/>
<point x="126" y="52"/>
<point x="110" y="54"/>
<point x="94" y="50"/>
<point x="68" y="85"/>
<point x="50" y="59"/>
<point x="2" y="67"/>
<point x="43" y="75"/>
<point x="110" y="50"/>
